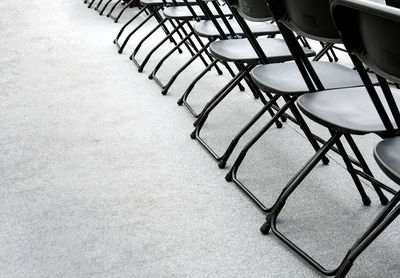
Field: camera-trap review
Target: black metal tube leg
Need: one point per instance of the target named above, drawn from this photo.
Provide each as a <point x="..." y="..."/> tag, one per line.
<point x="235" y="141"/>
<point x="232" y="172"/>
<point x="188" y="63"/>
<point x="121" y="49"/>
<point x="166" y="56"/>
<point x="113" y="8"/>
<point x="295" y="182"/>
<point x="303" y="125"/>
<point x="218" y="98"/>
<point x="241" y="88"/>
<point x="191" y="86"/>
<point x="365" y="168"/>
<point x="98" y="5"/>
<point x="369" y="238"/>
<point x="365" y="199"/>
<point x="105" y="7"/>
<point x="148" y="56"/>
<point x="139" y="45"/>
<point x="128" y="23"/>
<point x="91" y="3"/>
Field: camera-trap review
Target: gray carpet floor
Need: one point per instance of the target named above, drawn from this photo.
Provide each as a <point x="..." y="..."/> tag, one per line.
<point x="99" y="177"/>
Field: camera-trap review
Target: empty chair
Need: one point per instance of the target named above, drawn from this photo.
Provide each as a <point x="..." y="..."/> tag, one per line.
<point x="370" y="34"/>
<point x="152" y="9"/>
<point x="290" y="80"/>
<point x="212" y="29"/>
<point x="249" y="52"/>
<point x="182" y="15"/>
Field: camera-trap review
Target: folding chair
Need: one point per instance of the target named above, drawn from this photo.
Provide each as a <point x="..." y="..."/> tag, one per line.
<point x="212" y="29"/>
<point x="224" y="29"/>
<point x="152" y="9"/>
<point x="182" y="15"/>
<point x="370" y="34"/>
<point x="291" y="80"/>
<point x="249" y="52"/>
<point x="192" y="13"/>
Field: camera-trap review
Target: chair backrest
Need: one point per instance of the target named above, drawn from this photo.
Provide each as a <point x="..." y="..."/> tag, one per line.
<point x="253" y="10"/>
<point x="372" y="32"/>
<point x="309" y="18"/>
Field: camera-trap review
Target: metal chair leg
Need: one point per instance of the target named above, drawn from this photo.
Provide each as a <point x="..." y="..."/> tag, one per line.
<point x="304" y="127"/>
<point x="113" y="8"/>
<point x="211" y="106"/>
<point x="219" y="97"/>
<point x="365" y="168"/>
<point x="98" y="5"/>
<point x="286" y="193"/>
<point x="105" y="7"/>
<point x="365" y="199"/>
<point x="183" y="99"/>
<point x="128" y="23"/>
<point x="166" y="56"/>
<point x="232" y="174"/>
<point x="139" y="45"/>
<point x="381" y="222"/>
<point x="388" y="214"/>
<point x="122" y="47"/>
<point x="241" y="68"/>
<point x="236" y="139"/>
<point x="91" y="3"/>
<point x="148" y="56"/>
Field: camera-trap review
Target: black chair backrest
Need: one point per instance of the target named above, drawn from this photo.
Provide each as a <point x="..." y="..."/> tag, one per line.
<point x="309" y="18"/>
<point x="253" y="10"/>
<point x="372" y="32"/>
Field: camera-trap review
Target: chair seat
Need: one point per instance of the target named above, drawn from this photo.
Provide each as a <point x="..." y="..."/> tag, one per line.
<point x="206" y="28"/>
<point x="240" y="50"/>
<point x="285" y="78"/>
<point x="346" y="110"/>
<point x="387" y="156"/>
<point x="160" y="2"/>
<point x="183" y="12"/>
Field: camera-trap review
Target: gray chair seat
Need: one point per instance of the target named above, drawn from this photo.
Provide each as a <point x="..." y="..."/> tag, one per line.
<point x="346" y="110"/>
<point x="206" y="28"/>
<point x="387" y="155"/>
<point x="183" y="12"/>
<point x="160" y="2"/>
<point x="285" y="78"/>
<point x="240" y="50"/>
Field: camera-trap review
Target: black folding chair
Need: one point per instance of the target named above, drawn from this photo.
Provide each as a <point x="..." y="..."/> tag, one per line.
<point x="212" y="29"/>
<point x="291" y="80"/>
<point x="249" y="52"/>
<point x="370" y="33"/>
<point x="197" y="14"/>
<point x="152" y="9"/>
<point x="182" y="15"/>
<point x="224" y="29"/>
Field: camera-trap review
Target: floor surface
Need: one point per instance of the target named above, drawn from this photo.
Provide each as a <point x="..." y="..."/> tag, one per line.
<point x="99" y="177"/>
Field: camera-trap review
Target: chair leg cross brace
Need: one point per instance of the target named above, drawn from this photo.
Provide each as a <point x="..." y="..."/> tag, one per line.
<point x="378" y="225"/>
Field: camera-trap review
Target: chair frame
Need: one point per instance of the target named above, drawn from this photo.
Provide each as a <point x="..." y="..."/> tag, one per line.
<point x="391" y="209"/>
